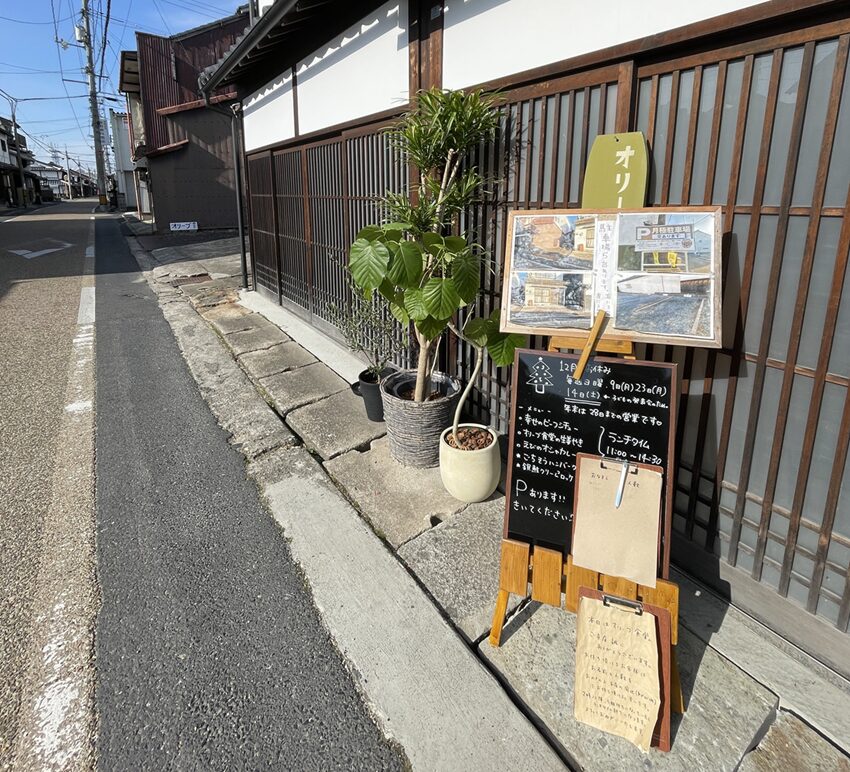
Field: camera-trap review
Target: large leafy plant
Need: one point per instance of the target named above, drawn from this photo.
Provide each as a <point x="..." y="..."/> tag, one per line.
<point x="425" y="273"/>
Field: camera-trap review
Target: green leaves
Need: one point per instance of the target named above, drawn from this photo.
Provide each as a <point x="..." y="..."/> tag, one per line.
<point x="431" y="327"/>
<point x="466" y="274"/>
<point x="406" y="267"/>
<point x="441" y="297"/>
<point x="477" y="331"/>
<point x="415" y="304"/>
<point x="368" y="263"/>
<point x="502" y="346"/>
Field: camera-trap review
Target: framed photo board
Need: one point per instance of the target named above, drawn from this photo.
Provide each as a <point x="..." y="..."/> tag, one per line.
<point x="655" y="272"/>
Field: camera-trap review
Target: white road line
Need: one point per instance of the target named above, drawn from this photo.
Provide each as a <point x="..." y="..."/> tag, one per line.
<point x="57" y="711"/>
<point x="86" y="313"/>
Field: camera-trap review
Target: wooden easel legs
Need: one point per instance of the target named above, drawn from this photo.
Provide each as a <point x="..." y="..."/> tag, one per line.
<point x="499" y="618"/>
<point x="519" y="566"/>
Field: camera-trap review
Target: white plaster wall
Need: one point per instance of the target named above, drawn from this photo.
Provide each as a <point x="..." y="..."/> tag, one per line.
<point x="362" y="71"/>
<point x="121" y="141"/>
<point x="269" y="113"/>
<point x="488" y="39"/>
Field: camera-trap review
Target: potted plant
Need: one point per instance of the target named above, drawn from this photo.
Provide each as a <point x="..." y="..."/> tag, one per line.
<point x="470" y="458"/>
<point x="369" y="331"/>
<point x="426" y="274"/>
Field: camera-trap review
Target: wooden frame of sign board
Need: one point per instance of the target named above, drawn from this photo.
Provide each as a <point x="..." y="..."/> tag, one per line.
<point x="669" y="471"/>
<point x="549" y="571"/>
<point x="713" y="275"/>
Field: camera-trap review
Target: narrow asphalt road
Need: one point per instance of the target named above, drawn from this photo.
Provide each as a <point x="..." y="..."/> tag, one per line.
<point x="42" y="258"/>
<point x="210" y="653"/>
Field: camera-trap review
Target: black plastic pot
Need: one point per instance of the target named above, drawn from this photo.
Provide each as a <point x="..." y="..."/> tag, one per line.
<point x="369" y="387"/>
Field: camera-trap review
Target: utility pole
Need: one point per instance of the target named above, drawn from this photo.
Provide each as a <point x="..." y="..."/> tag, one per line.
<point x="95" y="111"/>
<point x="68" y="167"/>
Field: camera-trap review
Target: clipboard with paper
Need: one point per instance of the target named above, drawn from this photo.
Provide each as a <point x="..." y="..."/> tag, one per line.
<point x="617" y="518"/>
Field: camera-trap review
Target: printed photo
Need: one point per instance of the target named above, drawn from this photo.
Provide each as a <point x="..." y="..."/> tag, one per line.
<point x="664" y="304"/>
<point x="552" y="300"/>
<point x="553" y="242"/>
<point x="672" y="242"/>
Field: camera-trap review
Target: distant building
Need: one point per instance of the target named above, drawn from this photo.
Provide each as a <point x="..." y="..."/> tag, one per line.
<point x="125" y="179"/>
<point x="52" y="176"/>
<point x="181" y="150"/>
<point x="10" y="175"/>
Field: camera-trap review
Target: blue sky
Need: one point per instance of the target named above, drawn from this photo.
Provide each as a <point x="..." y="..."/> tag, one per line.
<point x="30" y="60"/>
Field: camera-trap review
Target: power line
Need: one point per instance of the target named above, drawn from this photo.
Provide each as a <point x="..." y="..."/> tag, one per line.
<point x="39" y="23"/>
<point x="105" y="36"/>
<point x="61" y="69"/>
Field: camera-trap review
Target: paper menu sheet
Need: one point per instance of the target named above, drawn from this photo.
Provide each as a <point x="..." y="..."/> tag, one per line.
<point x="617" y="683"/>
<point x="618" y="541"/>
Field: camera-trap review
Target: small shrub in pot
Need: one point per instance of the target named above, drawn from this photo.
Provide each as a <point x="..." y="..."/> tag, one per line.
<point x="369" y="330"/>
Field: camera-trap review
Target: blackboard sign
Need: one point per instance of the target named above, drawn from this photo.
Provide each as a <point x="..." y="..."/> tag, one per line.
<point x="620" y="409"/>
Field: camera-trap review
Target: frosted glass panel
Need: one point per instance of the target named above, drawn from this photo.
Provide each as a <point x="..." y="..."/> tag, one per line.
<point x="659" y="144"/>
<point x="644" y="90"/>
<point x="824" y="451"/>
<point x="728" y="127"/>
<point x="761" y="276"/>
<point x="576" y="166"/>
<point x="563" y="133"/>
<point x="551" y="107"/>
<point x="801" y="395"/>
<point x="819" y="289"/>
<point x="611" y="108"/>
<point x="766" y="429"/>
<point x="839" y="361"/>
<point x="738" y="430"/>
<point x="717" y="405"/>
<point x="534" y="147"/>
<point x="789" y="83"/>
<point x="755" y="126"/>
<point x="680" y="137"/>
<point x="839" y="170"/>
<point x="789" y="282"/>
<point x="812" y="139"/>
<point x="703" y="136"/>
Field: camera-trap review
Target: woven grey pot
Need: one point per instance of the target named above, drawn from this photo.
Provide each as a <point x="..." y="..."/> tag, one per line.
<point x="414" y="428"/>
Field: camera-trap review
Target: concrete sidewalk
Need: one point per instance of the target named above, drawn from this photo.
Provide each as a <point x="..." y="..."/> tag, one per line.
<point x="406" y="577"/>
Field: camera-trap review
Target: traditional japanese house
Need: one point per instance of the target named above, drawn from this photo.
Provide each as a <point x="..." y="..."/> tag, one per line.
<point x="744" y="104"/>
<point x="182" y="148"/>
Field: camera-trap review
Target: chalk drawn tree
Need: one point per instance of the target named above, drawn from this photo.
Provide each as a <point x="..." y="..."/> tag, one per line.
<point x="541" y="376"/>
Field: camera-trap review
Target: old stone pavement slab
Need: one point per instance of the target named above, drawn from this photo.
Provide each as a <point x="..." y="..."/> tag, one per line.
<point x="334" y="425"/>
<point x="262" y="337"/>
<point x="302" y="386"/>
<point x="727" y="710"/>
<point x="458" y="561"/>
<point x="792" y="744"/>
<point x="277" y="359"/>
<point x="400" y="502"/>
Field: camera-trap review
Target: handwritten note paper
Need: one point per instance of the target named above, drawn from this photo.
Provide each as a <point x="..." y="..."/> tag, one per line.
<point x="618" y="541"/>
<point x="617" y="680"/>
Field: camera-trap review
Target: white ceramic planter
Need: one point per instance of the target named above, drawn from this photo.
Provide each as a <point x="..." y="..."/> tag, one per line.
<point x="470" y="475"/>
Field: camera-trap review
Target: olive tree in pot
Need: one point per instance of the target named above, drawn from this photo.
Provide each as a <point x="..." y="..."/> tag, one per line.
<point x="369" y="331"/>
<point x="425" y="274"/>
